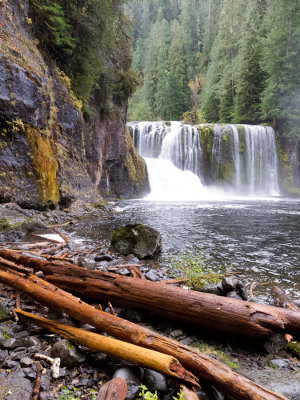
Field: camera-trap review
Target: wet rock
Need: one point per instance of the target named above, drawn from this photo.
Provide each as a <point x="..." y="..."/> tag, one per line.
<point x="124" y="272"/>
<point x="68" y="354"/>
<point x="155" y="381"/>
<point x="26" y="362"/>
<point x="20" y="387"/>
<point x="280" y="363"/>
<point x="133" y="379"/>
<point x="86" y="263"/>
<point x="229" y="283"/>
<point x="242" y="291"/>
<point x="234" y="295"/>
<point x="140" y="240"/>
<point x="104" y="257"/>
<point x="152" y="275"/>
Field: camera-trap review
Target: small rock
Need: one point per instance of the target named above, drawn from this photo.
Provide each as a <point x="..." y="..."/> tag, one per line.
<point x="281" y="363"/>
<point x="242" y="291"/>
<point x="229" y="283"/>
<point x="26" y="362"/>
<point x="124" y="272"/>
<point x="67" y="352"/>
<point x="133" y="379"/>
<point x="187" y="341"/>
<point x="11" y="364"/>
<point x="45" y="396"/>
<point x="104" y="257"/>
<point x="176" y="333"/>
<point x="3" y="354"/>
<point x="21" y="334"/>
<point x="234" y="295"/>
<point x="29" y="342"/>
<point x="45" y="383"/>
<point x="213" y="289"/>
<point x="155" y="381"/>
<point x="10" y="343"/>
<point x="152" y="275"/>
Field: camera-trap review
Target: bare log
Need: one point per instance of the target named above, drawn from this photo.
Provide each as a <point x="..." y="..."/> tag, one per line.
<point x="188" y="393"/>
<point x="283" y="300"/>
<point x="201" y="365"/>
<point x="116" y="389"/>
<point x="207" y="310"/>
<point x="159" y="362"/>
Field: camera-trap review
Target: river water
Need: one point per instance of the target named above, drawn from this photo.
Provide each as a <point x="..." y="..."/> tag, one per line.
<point x="259" y="238"/>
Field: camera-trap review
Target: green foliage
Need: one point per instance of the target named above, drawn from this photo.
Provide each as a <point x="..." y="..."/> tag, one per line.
<point x="67" y="394"/>
<point x="193" y="265"/>
<point x="145" y="394"/>
<point x="221" y="355"/>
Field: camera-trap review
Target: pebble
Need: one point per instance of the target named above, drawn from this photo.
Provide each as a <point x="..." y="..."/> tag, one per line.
<point x="26" y="362"/>
<point x="152" y="275"/>
<point x="67" y="352"/>
<point x="234" y="295"/>
<point x="229" y="283"/>
<point x="104" y="257"/>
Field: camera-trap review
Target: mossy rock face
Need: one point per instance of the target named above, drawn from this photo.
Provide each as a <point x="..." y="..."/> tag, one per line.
<point x="140" y="240"/>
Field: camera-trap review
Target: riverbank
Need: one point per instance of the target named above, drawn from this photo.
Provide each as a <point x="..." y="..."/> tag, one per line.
<point x="82" y="376"/>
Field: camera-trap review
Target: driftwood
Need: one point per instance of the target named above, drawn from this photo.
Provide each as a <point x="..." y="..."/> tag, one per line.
<point x="160" y="362"/>
<point x="207" y="310"/>
<point x="201" y="365"/>
<point x="116" y="389"/>
<point x="283" y="300"/>
<point x="36" y="390"/>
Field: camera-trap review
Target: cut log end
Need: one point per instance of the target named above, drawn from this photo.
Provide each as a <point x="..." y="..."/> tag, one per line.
<point x="183" y="374"/>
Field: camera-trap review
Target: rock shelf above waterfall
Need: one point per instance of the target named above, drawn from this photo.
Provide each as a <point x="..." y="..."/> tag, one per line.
<point x="238" y="158"/>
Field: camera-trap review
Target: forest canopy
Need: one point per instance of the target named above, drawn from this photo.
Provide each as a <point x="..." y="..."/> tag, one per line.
<point x="226" y="60"/>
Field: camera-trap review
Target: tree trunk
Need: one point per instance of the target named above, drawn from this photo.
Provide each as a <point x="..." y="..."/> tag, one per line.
<point x="116" y="389"/>
<point x="201" y="365"/>
<point x="203" y="309"/>
<point x="159" y="362"/>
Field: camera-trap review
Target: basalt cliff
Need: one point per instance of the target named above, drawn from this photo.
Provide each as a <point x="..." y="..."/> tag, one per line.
<point x="49" y="153"/>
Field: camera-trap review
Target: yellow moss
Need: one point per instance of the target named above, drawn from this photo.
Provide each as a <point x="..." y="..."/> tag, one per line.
<point x="134" y="163"/>
<point x="44" y="164"/>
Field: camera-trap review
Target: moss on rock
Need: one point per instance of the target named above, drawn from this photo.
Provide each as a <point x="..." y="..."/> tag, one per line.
<point x="134" y="163"/>
<point x="44" y="164"/>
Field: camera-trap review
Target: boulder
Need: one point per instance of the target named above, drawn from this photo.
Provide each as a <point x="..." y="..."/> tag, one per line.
<point x="140" y="240"/>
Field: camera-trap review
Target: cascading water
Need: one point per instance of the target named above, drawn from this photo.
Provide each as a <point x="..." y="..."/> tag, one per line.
<point x="185" y="161"/>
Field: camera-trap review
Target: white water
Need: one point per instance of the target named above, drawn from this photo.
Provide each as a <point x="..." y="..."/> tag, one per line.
<point x="178" y="168"/>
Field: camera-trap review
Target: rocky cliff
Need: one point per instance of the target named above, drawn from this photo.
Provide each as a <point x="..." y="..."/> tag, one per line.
<point x="49" y="154"/>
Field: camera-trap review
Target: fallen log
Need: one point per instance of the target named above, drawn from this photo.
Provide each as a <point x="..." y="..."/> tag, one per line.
<point x="201" y="365"/>
<point x="283" y="300"/>
<point x="116" y="389"/>
<point x="159" y="362"/>
<point x="210" y="311"/>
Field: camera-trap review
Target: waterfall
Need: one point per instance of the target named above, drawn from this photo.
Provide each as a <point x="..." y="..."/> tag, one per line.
<point x="241" y="159"/>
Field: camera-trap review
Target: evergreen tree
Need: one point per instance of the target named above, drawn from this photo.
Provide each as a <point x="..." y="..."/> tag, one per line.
<point x="281" y="60"/>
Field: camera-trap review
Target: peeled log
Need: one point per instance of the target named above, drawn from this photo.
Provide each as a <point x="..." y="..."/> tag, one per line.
<point x="201" y="365"/>
<point x="159" y="362"/>
<point x="116" y="389"/>
<point x="207" y="310"/>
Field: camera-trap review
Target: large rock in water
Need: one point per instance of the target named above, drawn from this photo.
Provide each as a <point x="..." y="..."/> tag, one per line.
<point x="140" y="240"/>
